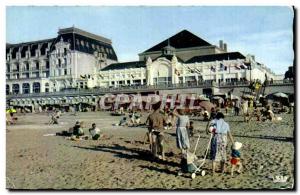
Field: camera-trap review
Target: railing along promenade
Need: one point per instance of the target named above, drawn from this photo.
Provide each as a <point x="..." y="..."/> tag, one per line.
<point x="142" y="88"/>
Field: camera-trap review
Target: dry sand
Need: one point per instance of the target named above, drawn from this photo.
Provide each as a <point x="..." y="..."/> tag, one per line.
<point x="121" y="161"/>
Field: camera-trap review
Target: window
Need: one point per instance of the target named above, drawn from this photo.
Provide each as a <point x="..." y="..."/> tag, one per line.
<point x="46" y="87"/>
<point x="162" y="80"/>
<point x="65" y="61"/>
<point x="47" y="64"/>
<point x="7" y="89"/>
<point x="36" y="87"/>
<point x="15" y="89"/>
<point x="7" y="68"/>
<point x="26" y="88"/>
<point x="59" y="63"/>
<point x="66" y="72"/>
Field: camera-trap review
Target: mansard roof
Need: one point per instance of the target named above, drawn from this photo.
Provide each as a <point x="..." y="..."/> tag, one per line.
<point x="125" y="65"/>
<point x="79" y="40"/>
<point x="32" y="46"/>
<point x="183" y="39"/>
<point x="217" y="57"/>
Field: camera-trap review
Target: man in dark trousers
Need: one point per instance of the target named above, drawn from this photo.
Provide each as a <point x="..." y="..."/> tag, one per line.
<point x="156" y="122"/>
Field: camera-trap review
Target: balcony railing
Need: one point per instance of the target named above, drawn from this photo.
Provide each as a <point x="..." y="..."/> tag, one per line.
<point x="134" y="89"/>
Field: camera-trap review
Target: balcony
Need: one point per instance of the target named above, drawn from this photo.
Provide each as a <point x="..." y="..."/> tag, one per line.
<point x="134" y="89"/>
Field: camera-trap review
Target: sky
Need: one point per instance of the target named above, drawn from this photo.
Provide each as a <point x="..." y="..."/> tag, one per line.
<point x="266" y="32"/>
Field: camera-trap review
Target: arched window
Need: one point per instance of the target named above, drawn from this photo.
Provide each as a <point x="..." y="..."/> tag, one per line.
<point x="15" y="89"/>
<point x="46" y="87"/>
<point x="36" y="87"/>
<point x="26" y="88"/>
<point x="7" y="89"/>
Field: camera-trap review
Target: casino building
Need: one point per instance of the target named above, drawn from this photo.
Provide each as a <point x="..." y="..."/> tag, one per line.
<point x="79" y="59"/>
<point x="185" y="59"/>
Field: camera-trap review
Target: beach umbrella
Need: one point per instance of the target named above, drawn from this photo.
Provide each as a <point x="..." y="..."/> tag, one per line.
<point x="247" y="96"/>
<point x="206" y="105"/>
<point x="151" y="98"/>
<point x="11" y="110"/>
<point x="234" y="97"/>
<point x="203" y="98"/>
<point x="217" y="98"/>
<point x="280" y="94"/>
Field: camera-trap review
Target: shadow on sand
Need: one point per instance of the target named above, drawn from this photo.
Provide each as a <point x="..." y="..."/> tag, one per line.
<point x="283" y="139"/>
<point x="130" y="153"/>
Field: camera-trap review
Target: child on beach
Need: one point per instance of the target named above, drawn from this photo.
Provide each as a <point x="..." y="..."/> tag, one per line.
<point x="191" y="129"/>
<point x="123" y="121"/>
<point x="95" y="132"/>
<point x="236" y="157"/>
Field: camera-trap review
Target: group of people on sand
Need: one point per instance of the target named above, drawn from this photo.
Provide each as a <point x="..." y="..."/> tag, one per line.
<point x="77" y="132"/>
<point x="132" y="120"/>
<point x="217" y="126"/>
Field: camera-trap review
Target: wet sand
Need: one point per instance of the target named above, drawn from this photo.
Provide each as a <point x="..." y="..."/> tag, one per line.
<point x="122" y="161"/>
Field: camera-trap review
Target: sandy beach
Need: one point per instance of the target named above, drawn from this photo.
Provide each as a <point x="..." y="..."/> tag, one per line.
<point x="122" y="161"/>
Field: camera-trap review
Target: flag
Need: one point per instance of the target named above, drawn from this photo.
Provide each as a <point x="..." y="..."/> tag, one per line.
<point x="243" y="66"/>
<point x="198" y="71"/>
<point x="213" y="69"/>
<point x="83" y="77"/>
<point x="101" y="76"/>
<point x="132" y="76"/>
<point x="222" y="67"/>
<point x="177" y="72"/>
<point x="237" y="67"/>
<point x="191" y="71"/>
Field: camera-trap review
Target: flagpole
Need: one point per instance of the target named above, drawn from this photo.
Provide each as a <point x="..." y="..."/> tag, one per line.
<point x="210" y="76"/>
<point x="250" y="71"/>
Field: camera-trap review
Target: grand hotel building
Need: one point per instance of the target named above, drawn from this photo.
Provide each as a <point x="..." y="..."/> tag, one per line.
<point x="79" y="59"/>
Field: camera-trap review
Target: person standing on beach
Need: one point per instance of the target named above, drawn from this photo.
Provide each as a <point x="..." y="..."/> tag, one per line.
<point x="182" y="136"/>
<point x="156" y="122"/>
<point x="220" y="131"/>
<point x="237" y="108"/>
<point x="182" y="126"/>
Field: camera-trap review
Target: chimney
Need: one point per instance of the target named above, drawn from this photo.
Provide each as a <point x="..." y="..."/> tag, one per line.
<point x="221" y="44"/>
<point x="225" y="47"/>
